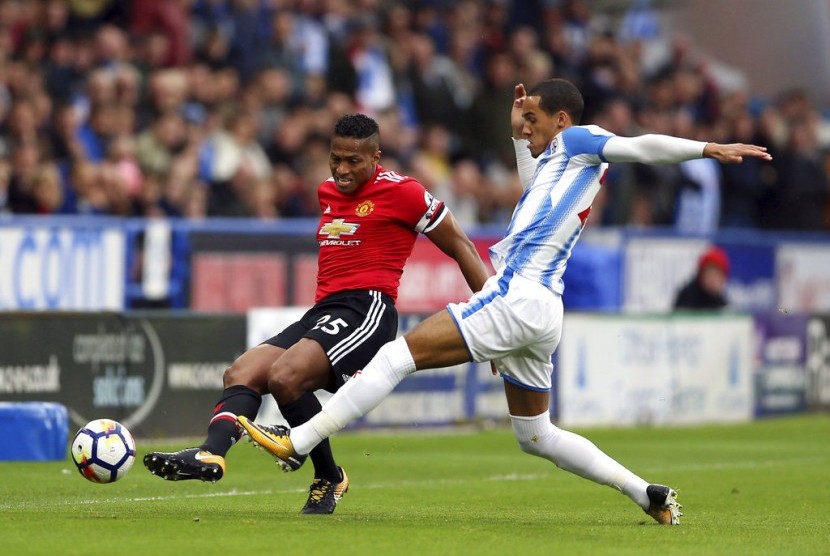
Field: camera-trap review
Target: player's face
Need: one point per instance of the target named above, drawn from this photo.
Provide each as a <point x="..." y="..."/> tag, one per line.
<point x="352" y="162"/>
<point x="540" y="127"/>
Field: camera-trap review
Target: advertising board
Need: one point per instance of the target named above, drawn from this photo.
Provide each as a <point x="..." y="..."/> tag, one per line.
<point x="54" y="267"/>
<point x="660" y="370"/>
<point x="160" y="375"/>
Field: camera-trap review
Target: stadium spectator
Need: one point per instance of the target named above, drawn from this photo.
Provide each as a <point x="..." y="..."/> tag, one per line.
<point x="743" y="185"/>
<point x="172" y="19"/>
<point x="707" y="288"/>
<point x="25" y="160"/>
<point x="799" y="196"/>
<point x="375" y="87"/>
<point x="159" y="144"/>
<point x="699" y="190"/>
<point x="5" y="173"/>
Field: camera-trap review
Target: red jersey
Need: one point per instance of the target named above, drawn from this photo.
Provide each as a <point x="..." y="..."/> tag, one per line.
<point x="365" y="238"/>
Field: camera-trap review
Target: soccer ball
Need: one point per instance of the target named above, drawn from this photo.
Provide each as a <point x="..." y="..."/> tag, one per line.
<point x="103" y="451"/>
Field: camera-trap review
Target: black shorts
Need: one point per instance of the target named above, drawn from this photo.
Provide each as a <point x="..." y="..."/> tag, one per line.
<point x="351" y="326"/>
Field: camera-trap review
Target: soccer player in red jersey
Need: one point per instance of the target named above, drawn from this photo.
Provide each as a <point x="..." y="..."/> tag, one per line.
<point x="370" y="220"/>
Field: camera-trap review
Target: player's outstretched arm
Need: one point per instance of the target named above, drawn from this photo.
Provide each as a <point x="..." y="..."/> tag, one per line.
<point x="666" y="149"/>
<point x="734" y="153"/>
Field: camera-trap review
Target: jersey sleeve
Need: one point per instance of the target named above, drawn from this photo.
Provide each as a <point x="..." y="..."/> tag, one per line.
<point x="419" y="208"/>
<point x="653" y="149"/>
<point x="586" y="140"/>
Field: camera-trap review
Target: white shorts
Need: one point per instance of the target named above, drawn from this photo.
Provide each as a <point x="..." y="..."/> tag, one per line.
<point x="515" y="322"/>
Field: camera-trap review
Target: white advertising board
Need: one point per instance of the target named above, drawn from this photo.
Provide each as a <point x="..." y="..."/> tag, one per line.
<point x="623" y="371"/>
<point x="803" y="272"/>
<point x="61" y="268"/>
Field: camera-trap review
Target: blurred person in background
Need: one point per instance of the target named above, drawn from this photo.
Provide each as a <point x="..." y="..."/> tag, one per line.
<point x="95" y="135"/>
<point x="699" y="185"/>
<point x="293" y="48"/>
<point x="25" y="163"/>
<point x="5" y="174"/>
<point x="706" y="290"/>
<point x="440" y="94"/>
<point x="515" y="320"/>
<point x="169" y="17"/>
<point x="47" y="190"/>
<point x="160" y="143"/>
<point x="233" y="161"/>
<point x="485" y="135"/>
<point x="374" y="88"/>
<point x="798" y="198"/>
<point x="743" y="185"/>
<point x="86" y="188"/>
<point x="370" y="220"/>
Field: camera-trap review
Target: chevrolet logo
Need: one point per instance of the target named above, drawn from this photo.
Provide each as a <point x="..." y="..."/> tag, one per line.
<point x="338" y="227"/>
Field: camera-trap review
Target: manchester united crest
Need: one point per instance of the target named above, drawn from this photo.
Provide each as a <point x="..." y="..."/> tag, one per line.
<point x="365" y="208"/>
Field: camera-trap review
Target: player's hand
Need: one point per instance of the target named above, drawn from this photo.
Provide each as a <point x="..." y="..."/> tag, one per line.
<point x="734" y="153"/>
<point x="517" y="122"/>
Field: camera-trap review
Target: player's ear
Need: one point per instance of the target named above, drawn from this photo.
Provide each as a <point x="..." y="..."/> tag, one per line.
<point x="376" y="158"/>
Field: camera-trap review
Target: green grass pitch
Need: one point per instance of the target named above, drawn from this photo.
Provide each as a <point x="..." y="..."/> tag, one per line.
<point x="758" y="488"/>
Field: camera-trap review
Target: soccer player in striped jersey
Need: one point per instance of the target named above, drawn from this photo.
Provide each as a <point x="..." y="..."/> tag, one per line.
<point x="515" y="321"/>
<point x="370" y="219"/>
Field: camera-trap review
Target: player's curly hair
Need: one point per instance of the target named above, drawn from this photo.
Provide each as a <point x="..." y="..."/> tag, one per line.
<point x="359" y="126"/>
<point x="559" y="94"/>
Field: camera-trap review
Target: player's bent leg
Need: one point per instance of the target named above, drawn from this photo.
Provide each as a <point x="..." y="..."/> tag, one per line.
<point x="578" y="455"/>
<point x="536" y="435"/>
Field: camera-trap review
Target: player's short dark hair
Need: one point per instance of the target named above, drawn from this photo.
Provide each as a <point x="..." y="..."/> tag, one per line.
<point x="358" y="126"/>
<point x="559" y="94"/>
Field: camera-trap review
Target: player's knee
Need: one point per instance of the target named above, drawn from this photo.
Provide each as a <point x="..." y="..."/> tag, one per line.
<point x="233" y="376"/>
<point x="239" y="374"/>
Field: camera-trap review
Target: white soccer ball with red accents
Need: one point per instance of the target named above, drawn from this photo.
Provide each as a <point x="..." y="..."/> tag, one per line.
<point x="103" y="450"/>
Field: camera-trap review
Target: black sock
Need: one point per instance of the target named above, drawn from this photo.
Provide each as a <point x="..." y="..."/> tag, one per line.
<point x="222" y="430"/>
<point x="297" y="413"/>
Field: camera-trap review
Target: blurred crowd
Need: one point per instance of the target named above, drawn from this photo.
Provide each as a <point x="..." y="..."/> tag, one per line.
<point x="200" y="108"/>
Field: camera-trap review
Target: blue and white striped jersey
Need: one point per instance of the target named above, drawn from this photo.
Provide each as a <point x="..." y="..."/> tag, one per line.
<point x="551" y="213"/>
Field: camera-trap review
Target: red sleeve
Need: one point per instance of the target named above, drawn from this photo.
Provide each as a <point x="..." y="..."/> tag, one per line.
<point x="419" y="208"/>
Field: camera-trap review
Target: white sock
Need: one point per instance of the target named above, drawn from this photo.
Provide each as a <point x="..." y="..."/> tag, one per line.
<point x="574" y="453"/>
<point x="361" y="394"/>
